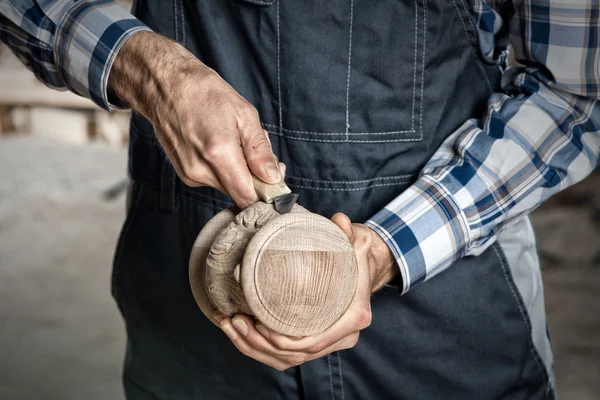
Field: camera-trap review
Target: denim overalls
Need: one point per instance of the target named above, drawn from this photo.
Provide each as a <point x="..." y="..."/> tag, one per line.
<point x="356" y="96"/>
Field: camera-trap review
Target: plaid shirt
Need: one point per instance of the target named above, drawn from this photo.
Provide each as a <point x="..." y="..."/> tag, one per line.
<point x="538" y="137"/>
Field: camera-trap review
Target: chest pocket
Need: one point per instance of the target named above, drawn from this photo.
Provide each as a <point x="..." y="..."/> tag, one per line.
<point x="350" y="71"/>
<point x="335" y="71"/>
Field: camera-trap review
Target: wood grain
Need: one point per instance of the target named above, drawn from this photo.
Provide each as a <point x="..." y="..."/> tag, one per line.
<point x="296" y="273"/>
<point x="299" y="274"/>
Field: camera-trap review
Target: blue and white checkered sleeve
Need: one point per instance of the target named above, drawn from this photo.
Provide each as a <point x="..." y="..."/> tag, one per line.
<point x="68" y="44"/>
<point x="527" y="147"/>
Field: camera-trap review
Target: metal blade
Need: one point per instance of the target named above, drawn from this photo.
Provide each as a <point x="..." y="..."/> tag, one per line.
<point x="284" y="204"/>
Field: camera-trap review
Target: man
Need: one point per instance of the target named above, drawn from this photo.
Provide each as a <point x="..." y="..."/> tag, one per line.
<point x="398" y="114"/>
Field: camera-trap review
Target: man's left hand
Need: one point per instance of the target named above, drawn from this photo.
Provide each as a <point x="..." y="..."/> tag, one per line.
<point x="376" y="267"/>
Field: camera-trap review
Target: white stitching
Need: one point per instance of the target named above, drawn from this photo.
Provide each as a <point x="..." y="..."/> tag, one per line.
<point x="279" y="72"/>
<point x="349" y="68"/>
<point x="469" y="19"/>
<point x="423" y="64"/>
<point x="338" y="133"/>
<point x="347" y="133"/>
<point x="182" y="23"/>
<point x="464" y="27"/>
<point x="330" y="376"/>
<point x="412" y="117"/>
<point x="341" y="375"/>
<point x="403" y="177"/>
<point x="266" y="3"/>
<point x="348" y="190"/>
<point x="524" y="317"/>
<point x="175" y="18"/>
<point x="418" y="139"/>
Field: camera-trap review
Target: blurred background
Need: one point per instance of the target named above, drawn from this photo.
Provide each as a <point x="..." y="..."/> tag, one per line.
<point x="62" y="203"/>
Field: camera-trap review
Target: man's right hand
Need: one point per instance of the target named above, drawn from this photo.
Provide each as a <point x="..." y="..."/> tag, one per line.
<point x="211" y="134"/>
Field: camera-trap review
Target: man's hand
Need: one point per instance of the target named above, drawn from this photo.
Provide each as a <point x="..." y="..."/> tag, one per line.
<point x="211" y="134"/>
<point x="376" y="267"/>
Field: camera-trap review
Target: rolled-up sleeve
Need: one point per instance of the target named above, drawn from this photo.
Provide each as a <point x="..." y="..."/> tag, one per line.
<point x="69" y="45"/>
<point x="539" y="137"/>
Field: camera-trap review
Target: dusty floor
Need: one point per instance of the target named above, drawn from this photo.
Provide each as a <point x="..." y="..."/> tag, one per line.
<point x="62" y="338"/>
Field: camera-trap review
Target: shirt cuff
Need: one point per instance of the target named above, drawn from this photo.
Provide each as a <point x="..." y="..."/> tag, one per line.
<point x="86" y="42"/>
<point x="425" y="229"/>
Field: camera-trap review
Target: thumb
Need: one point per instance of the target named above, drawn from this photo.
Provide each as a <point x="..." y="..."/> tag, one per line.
<point x="258" y="153"/>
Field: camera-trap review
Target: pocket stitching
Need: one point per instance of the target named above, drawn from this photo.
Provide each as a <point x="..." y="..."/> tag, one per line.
<point x="419" y="138"/>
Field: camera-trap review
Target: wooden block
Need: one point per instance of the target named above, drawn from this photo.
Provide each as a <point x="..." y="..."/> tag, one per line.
<point x="297" y="273"/>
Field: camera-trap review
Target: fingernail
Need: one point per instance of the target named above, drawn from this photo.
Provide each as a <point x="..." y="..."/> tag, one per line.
<point x="272" y="170"/>
<point x="218" y="317"/>
<point x="229" y="330"/>
<point x="241" y="326"/>
<point x="263" y="330"/>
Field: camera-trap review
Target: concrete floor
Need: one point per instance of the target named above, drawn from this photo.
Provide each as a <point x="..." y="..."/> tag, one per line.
<point x="62" y="338"/>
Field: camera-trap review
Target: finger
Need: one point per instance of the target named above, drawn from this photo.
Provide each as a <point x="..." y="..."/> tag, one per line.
<point x="256" y="334"/>
<point x="257" y="149"/>
<point x="351" y="322"/>
<point x="267" y="136"/>
<point x="240" y="343"/>
<point x="282" y="169"/>
<point x="229" y="165"/>
<point x="344" y="223"/>
<point x="362" y="240"/>
<point x="251" y="332"/>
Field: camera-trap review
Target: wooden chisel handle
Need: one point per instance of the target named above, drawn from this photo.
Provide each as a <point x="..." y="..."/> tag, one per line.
<point x="267" y="191"/>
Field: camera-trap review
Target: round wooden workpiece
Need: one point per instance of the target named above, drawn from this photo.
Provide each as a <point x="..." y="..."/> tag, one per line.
<point x="299" y="274"/>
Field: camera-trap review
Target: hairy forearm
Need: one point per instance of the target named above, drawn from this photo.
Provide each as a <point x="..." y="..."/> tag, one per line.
<point x="148" y="70"/>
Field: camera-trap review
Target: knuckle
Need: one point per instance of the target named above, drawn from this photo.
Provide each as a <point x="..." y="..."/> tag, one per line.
<point x="317" y="347"/>
<point x="297" y="360"/>
<point x="258" y="144"/>
<point x="215" y="151"/>
<point x="280" y="344"/>
<point x="353" y="340"/>
<point x="363" y="318"/>
<point x="248" y="110"/>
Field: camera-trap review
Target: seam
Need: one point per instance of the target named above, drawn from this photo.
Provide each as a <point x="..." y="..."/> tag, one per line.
<point x="330" y="375"/>
<point x="465" y="28"/>
<point x="182" y="23"/>
<point x="337" y="133"/>
<point x="347" y="132"/>
<point x="341" y="375"/>
<point x="525" y="318"/>
<point x="347" y="190"/>
<point x="401" y="177"/>
<point x="468" y="18"/>
<point x="423" y="66"/>
<point x="349" y="69"/>
<point x="279" y="71"/>
<point x="412" y="117"/>
<point x="266" y="3"/>
<point x="175" y="18"/>
<point x="417" y="139"/>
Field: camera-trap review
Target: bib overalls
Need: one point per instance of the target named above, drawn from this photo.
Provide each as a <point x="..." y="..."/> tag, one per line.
<point x="356" y="95"/>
